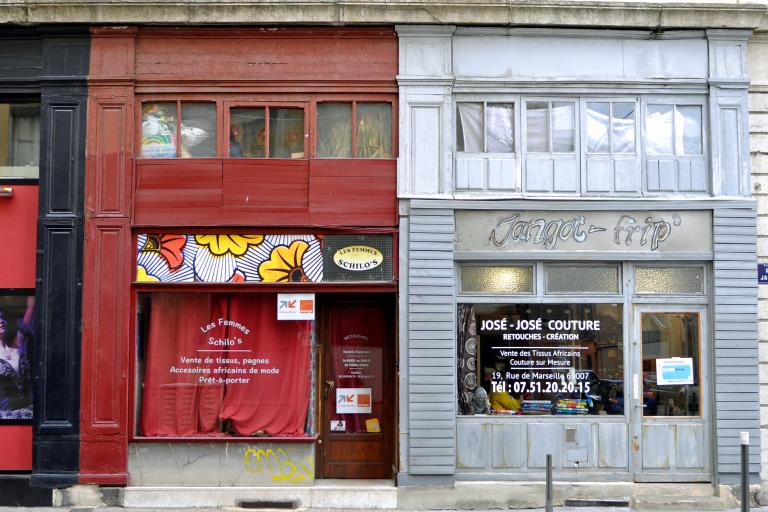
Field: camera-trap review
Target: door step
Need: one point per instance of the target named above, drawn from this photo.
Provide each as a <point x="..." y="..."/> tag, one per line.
<point x="596" y="504"/>
<point x="694" y="503"/>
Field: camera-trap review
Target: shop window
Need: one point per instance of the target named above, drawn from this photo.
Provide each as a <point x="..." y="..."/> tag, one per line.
<point x="610" y="127"/>
<point x="677" y="280"/>
<point x="540" y="359"/>
<point x="673" y="129"/>
<point x="216" y="364"/>
<point x="266" y="132"/>
<point x="17" y="337"/>
<point x="582" y="279"/>
<point x="164" y="135"/>
<point x="19" y="140"/>
<point x="371" y="136"/>
<point x="550" y="126"/>
<point x="485" y="127"/>
<point x="497" y="280"/>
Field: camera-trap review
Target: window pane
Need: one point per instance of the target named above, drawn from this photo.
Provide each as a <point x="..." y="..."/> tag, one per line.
<point x="17" y="333"/>
<point x="499" y="123"/>
<point x="247" y="133"/>
<point x="334" y="130"/>
<point x="198" y="130"/>
<point x="373" y="138"/>
<point x="597" y="127"/>
<point x="286" y="133"/>
<point x="623" y="126"/>
<point x="563" y="127"/>
<point x="671" y="364"/>
<point x="19" y="140"/>
<point x="158" y="130"/>
<point x="537" y="126"/>
<point x="688" y="130"/>
<point x="469" y="127"/>
<point x="669" y="280"/>
<point x="658" y="130"/>
<point x="582" y="279"/>
<point x="540" y="359"/>
<point x="496" y="280"/>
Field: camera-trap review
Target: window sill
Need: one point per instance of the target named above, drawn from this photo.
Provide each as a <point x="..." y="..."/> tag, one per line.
<point x="227" y="439"/>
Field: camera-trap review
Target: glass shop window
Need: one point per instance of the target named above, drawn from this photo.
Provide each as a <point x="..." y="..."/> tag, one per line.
<point x="165" y="135"/>
<point x="19" y="140"/>
<point x="550" y="126"/>
<point x="369" y="136"/>
<point x="17" y="338"/>
<point x="582" y="279"/>
<point x="221" y="364"/>
<point x="497" y="280"/>
<point x="610" y="127"/>
<point x="485" y="127"/>
<point x="540" y="359"/>
<point x="266" y="132"/>
<point x="675" y="280"/>
<point x="673" y="129"/>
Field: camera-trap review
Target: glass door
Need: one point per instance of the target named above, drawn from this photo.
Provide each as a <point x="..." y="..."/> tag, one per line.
<point x="670" y="399"/>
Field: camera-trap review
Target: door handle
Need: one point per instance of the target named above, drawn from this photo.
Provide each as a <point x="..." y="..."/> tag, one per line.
<point x="329" y="384"/>
<point x="636" y="389"/>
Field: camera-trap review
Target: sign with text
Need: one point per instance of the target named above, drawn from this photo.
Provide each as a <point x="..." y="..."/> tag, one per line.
<point x="353" y="400"/>
<point x="762" y="273"/>
<point x="674" y="371"/>
<point x="625" y="231"/>
<point x="295" y="306"/>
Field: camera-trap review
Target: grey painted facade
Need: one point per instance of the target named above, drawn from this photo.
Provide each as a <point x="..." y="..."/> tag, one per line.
<point x="441" y="66"/>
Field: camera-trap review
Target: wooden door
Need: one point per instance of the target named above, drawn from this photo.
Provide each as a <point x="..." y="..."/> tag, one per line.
<point x="358" y="412"/>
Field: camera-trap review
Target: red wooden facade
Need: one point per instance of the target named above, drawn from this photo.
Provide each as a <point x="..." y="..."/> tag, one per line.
<point x="123" y="191"/>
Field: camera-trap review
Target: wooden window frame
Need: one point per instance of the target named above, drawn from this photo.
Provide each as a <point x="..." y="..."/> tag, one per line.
<point x="354" y="102"/>
<point x="228" y="105"/>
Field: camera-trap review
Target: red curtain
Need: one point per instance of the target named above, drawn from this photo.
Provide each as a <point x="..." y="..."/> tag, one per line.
<point x="268" y="367"/>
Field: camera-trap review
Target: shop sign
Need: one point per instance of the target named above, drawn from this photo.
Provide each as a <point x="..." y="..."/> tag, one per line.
<point x="295" y="306"/>
<point x="358" y="258"/>
<point x="629" y="231"/>
<point x="674" y="371"/>
<point x="762" y="273"/>
<point x="353" y="400"/>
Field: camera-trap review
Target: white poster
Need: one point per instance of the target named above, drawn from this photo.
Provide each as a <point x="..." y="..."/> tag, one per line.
<point x="295" y="306"/>
<point x="674" y="371"/>
<point x="353" y="400"/>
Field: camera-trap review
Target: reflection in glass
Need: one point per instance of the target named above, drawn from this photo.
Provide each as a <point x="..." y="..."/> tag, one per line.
<point x="688" y="130"/>
<point x="666" y="336"/>
<point x="496" y="280"/>
<point x="469" y="127"/>
<point x="537" y="126"/>
<point x="582" y="279"/>
<point x="19" y="140"/>
<point x="373" y="137"/>
<point x="669" y="280"/>
<point x="286" y="133"/>
<point x="659" y="130"/>
<point x="499" y="122"/>
<point x="198" y="130"/>
<point x="247" y="133"/>
<point x="597" y="127"/>
<point x="17" y="337"/>
<point x="623" y="127"/>
<point x="334" y="130"/>
<point x="158" y="130"/>
<point x="563" y="126"/>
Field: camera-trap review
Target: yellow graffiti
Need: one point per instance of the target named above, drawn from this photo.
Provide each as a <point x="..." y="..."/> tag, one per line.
<point x="279" y="464"/>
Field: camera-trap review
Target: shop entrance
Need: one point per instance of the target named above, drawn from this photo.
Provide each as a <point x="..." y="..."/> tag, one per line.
<point x="357" y="390"/>
<point x="669" y="396"/>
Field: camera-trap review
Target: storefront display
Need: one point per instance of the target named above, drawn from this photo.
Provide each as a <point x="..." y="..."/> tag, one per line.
<point x="17" y="336"/>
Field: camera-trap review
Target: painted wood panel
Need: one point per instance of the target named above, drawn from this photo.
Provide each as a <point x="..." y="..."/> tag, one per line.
<point x="265" y="184"/>
<point x="612" y="445"/>
<point x="509" y="444"/>
<point x="18" y="215"/>
<point x="424" y="144"/>
<point x="472" y="447"/>
<point x="543" y="439"/>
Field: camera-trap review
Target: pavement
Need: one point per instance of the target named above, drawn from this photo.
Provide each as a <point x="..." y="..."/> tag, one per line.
<point x="231" y="509"/>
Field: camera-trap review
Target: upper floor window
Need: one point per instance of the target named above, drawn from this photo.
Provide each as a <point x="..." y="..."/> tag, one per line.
<point x="550" y="126"/>
<point x="673" y="129"/>
<point x="485" y="127"/>
<point x="610" y="127"/>
<point x="370" y="136"/>
<point x="266" y="132"/>
<point x="165" y="134"/>
<point x="19" y="140"/>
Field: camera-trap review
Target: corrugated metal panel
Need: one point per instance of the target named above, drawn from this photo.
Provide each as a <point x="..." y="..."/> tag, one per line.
<point x="735" y="336"/>
<point x="431" y="346"/>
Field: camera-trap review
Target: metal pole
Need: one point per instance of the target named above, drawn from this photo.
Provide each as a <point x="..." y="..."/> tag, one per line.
<point x="744" y="438"/>
<point x="548" y="498"/>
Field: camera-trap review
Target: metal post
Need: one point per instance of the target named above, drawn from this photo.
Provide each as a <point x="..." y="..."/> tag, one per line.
<point x="744" y="438"/>
<point x="548" y="498"/>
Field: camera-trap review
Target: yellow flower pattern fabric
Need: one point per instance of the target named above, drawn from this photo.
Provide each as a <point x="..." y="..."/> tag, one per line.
<point x="237" y="245"/>
<point x="284" y="265"/>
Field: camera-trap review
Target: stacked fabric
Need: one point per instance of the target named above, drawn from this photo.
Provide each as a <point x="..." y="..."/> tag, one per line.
<point x="537" y="407"/>
<point x="567" y="406"/>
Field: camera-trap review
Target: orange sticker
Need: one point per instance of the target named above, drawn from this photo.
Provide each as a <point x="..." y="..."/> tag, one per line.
<point x="363" y="400"/>
<point x="372" y="425"/>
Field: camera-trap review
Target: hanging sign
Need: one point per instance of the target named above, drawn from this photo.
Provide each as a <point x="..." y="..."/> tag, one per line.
<point x="358" y="258"/>
<point x="674" y="371"/>
<point x="295" y="306"/>
<point x="353" y="400"/>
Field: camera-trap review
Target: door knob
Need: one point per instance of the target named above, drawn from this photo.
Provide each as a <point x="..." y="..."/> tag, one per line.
<point x="329" y="384"/>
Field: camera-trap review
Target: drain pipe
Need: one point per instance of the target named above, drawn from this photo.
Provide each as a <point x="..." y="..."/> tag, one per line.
<point x="744" y="439"/>
<point x="548" y="498"/>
